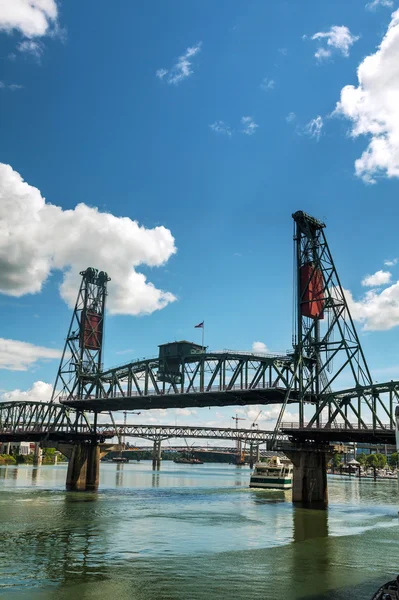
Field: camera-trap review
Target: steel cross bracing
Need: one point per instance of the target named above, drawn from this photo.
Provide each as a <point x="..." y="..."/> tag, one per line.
<point x="162" y="432"/>
<point x="216" y="379"/>
<point x="326" y="344"/>
<point x="82" y="355"/>
<point x="37" y="421"/>
<point x="31" y="421"/>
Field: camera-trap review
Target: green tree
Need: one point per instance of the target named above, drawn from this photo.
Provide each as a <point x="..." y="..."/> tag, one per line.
<point x="394" y="459"/>
<point x="362" y="458"/>
<point x="378" y="461"/>
<point x="372" y="461"/>
<point x="382" y="461"/>
<point x="336" y="460"/>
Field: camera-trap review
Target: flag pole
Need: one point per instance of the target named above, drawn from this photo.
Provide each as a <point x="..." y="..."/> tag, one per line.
<point x="203" y="332"/>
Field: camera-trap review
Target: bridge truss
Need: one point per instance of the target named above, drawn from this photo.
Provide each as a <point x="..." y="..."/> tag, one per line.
<point x="49" y="421"/>
<point x="218" y="379"/>
<point x="326" y="351"/>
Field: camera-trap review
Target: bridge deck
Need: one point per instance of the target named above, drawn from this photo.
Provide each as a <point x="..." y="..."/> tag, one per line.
<point x="233" y="397"/>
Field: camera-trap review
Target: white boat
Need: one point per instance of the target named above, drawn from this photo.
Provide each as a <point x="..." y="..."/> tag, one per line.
<point x="275" y="473"/>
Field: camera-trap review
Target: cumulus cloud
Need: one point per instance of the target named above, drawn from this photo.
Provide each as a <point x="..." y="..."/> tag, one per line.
<point x="221" y="127"/>
<point x="373" y="107"/>
<point x="377" y="279"/>
<point x="391" y="262"/>
<point x="249" y="125"/>
<point x="181" y="69"/>
<point x="260" y="348"/>
<point x="39" y="392"/>
<point x="378" y="310"/>
<point x="314" y="127"/>
<point x="268" y="416"/>
<point x="31" y="18"/>
<point x="375" y="3"/>
<point x="37" y="237"/>
<point x="338" y="38"/>
<point x="267" y="84"/>
<point x="19" y="356"/>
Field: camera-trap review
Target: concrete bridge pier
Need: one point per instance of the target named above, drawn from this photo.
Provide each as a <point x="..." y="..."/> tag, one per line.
<point x="310" y="476"/>
<point x="156" y="455"/>
<point x="38" y="455"/>
<point x="83" y="467"/>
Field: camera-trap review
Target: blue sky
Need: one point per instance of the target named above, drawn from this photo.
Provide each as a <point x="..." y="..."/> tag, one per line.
<point x="210" y="158"/>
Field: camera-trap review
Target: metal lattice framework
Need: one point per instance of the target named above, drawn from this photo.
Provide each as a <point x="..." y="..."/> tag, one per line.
<point x="81" y="358"/>
<point x="326" y="345"/>
<point x="163" y="432"/>
<point x="326" y="353"/>
<point x="33" y="421"/>
<point x="205" y="379"/>
<point x="38" y="420"/>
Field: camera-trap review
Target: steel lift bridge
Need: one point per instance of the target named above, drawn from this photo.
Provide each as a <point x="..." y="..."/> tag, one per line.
<point x="324" y="378"/>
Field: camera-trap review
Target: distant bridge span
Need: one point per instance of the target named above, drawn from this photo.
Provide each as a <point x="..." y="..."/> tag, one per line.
<point x="37" y="421"/>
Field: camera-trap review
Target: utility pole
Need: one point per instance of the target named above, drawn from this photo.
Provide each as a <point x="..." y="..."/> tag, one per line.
<point x="239" y="457"/>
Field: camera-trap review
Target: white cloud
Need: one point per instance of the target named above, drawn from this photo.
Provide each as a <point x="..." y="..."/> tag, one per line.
<point x="267" y="418"/>
<point x="314" y="127"/>
<point x="221" y="127"/>
<point x="378" y="309"/>
<point x="39" y="392"/>
<point x="185" y="412"/>
<point x="267" y="84"/>
<point x="373" y="107"/>
<point x="391" y="263"/>
<point x="377" y="279"/>
<point x="182" y="68"/>
<point x="31" y="18"/>
<point x="291" y="117"/>
<point x="31" y="47"/>
<point x="249" y="125"/>
<point x="19" y="356"/>
<point x="10" y="86"/>
<point x="338" y="37"/>
<point x="161" y="73"/>
<point x="260" y="347"/>
<point x="375" y="3"/>
<point x="322" y="53"/>
<point x="37" y="237"/>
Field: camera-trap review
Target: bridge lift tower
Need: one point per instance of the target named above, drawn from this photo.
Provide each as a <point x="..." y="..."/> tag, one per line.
<point x="80" y="366"/>
<point x="326" y="345"/>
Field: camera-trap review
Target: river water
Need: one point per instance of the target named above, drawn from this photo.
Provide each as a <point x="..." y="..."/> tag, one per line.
<point x="190" y="532"/>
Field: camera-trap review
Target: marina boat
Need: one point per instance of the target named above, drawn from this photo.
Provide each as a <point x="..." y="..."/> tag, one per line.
<point x="188" y="461"/>
<point x="275" y="473"/>
<point x="120" y="459"/>
<point x="388" y="591"/>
